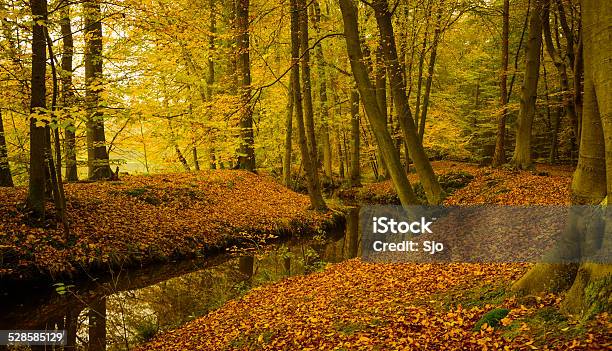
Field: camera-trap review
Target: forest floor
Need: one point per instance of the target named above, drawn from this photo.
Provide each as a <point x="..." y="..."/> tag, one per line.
<point x="140" y="219"/>
<point x="359" y="306"/>
<point x="468" y="184"/>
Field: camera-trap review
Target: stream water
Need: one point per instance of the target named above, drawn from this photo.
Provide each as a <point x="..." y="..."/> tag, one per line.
<point x="129" y="306"/>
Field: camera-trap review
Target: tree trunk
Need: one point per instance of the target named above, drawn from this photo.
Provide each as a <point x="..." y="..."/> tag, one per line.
<point x="194" y="154"/>
<point x="499" y="157"/>
<point x="578" y="88"/>
<point x="595" y="277"/>
<point x="68" y="94"/>
<point x="555" y="55"/>
<point x="368" y="97"/>
<point x="355" y="152"/>
<point x="422" y="53"/>
<point x="432" y="188"/>
<point x="288" y="140"/>
<point x="210" y="81"/>
<point x="97" y="155"/>
<point x="592" y="181"/>
<point x="381" y="97"/>
<point x="97" y="325"/>
<point x="430" y="73"/>
<point x="39" y="129"/>
<point x="310" y="170"/>
<point x="246" y="158"/>
<point x="307" y="85"/>
<point x="324" y="128"/>
<point x="5" y="171"/>
<point x="529" y="90"/>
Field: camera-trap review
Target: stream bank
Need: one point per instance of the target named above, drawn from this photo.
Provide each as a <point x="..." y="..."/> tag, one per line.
<point x="140" y="220"/>
<point x="130" y="306"/>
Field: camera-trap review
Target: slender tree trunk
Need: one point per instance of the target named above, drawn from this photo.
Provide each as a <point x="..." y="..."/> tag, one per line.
<point x="210" y="80"/>
<point x="39" y="129"/>
<point x="194" y="154"/>
<point x="97" y="155"/>
<point x="529" y="90"/>
<point x="368" y="96"/>
<point x="578" y="88"/>
<point x="5" y="172"/>
<point x="288" y="138"/>
<point x="246" y="159"/>
<point x="381" y="97"/>
<point x="427" y="176"/>
<point x="307" y="85"/>
<point x="55" y="169"/>
<point x="324" y="128"/>
<point x="422" y="65"/>
<point x="340" y="154"/>
<point x="555" y="55"/>
<point x="68" y="94"/>
<point x="552" y="125"/>
<point x="430" y="72"/>
<point x="310" y="170"/>
<point x="355" y="147"/>
<point x="499" y="158"/>
<point x="366" y="131"/>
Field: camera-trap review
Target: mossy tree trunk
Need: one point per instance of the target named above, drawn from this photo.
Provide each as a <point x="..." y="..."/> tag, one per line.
<point x="590" y="282"/>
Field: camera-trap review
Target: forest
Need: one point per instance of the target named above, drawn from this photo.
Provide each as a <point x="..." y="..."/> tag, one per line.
<point x="203" y="174"/>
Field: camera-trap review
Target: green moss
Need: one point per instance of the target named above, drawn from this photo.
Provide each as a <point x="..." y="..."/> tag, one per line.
<point x="597" y="297"/>
<point x="349" y="328"/>
<point x="492" y="318"/>
<point x="136" y="192"/>
<point x="146" y="330"/>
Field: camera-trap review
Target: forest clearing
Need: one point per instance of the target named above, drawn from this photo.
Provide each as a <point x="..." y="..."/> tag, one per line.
<point x="305" y="175"/>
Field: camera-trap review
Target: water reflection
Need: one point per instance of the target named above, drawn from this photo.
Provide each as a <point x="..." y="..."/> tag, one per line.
<point x="131" y="306"/>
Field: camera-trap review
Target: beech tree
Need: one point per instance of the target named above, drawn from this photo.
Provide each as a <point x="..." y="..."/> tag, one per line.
<point x="39" y="128"/>
<point x="310" y="169"/>
<point x="368" y="96"/>
<point x="246" y="159"/>
<point x="592" y="181"/>
<point x="529" y="89"/>
<point x="429" y="180"/>
<point x="355" y="136"/>
<point x="499" y="157"/>
<point x="97" y="154"/>
<point x="68" y="98"/>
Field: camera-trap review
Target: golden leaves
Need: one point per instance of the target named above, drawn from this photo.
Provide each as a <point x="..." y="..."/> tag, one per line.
<point x="154" y="217"/>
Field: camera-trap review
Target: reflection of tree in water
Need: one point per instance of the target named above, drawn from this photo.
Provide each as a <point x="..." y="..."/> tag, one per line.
<point x="132" y="307"/>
